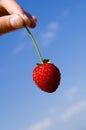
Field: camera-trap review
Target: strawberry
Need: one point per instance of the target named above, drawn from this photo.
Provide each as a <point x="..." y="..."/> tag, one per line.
<point x="47" y="77"/>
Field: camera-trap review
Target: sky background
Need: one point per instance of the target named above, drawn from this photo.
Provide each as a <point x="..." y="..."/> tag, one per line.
<point x="61" y="36"/>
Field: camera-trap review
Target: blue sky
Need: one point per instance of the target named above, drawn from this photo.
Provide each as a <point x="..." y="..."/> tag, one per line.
<point x="61" y="36"/>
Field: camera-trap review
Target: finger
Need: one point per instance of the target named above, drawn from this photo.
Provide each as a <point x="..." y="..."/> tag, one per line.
<point x="33" y="23"/>
<point x="33" y="20"/>
<point x="3" y="11"/>
<point x="15" y="8"/>
<point x="10" y="23"/>
<point x="12" y="6"/>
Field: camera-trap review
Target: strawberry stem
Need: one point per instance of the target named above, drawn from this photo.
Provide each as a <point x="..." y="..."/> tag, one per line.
<point x="35" y="44"/>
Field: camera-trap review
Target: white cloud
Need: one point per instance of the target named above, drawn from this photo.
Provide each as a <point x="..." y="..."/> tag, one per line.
<point x="69" y="114"/>
<point x="57" y="115"/>
<point x="65" y="13"/>
<point x="53" y="26"/>
<point x="73" y="110"/>
<point x="44" y="124"/>
<point x="47" y="37"/>
<point x="18" y="48"/>
<point x="50" y="33"/>
<point x="21" y="42"/>
<point x="71" y="92"/>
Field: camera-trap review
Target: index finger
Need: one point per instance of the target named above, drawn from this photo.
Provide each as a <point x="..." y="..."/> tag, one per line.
<point x="11" y="6"/>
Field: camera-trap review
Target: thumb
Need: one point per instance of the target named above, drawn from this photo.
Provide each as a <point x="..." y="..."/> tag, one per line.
<point x="12" y="22"/>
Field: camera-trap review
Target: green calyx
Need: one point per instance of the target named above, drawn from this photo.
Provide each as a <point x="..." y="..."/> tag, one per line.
<point x="46" y="61"/>
<point x="43" y="61"/>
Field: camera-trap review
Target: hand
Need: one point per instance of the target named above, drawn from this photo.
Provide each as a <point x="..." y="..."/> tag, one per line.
<point x="13" y="17"/>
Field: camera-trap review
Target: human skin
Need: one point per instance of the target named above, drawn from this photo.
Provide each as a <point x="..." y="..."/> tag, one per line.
<point x="13" y="17"/>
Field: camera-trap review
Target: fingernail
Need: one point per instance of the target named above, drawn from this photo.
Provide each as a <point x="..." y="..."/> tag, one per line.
<point x="16" y="21"/>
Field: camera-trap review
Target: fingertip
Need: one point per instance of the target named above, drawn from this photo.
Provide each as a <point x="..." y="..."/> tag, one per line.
<point x="33" y="22"/>
<point x="34" y="18"/>
<point x="28" y="20"/>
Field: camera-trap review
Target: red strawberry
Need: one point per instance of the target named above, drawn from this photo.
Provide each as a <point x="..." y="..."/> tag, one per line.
<point x="47" y="77"/>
